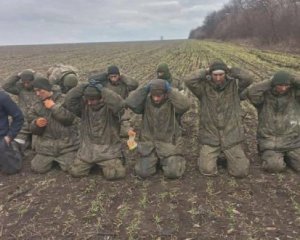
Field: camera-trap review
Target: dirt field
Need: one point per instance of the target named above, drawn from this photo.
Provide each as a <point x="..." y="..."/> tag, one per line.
<point x="57" y="206"/>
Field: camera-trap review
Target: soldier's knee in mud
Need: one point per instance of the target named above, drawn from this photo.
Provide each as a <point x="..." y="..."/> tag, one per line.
<point x="39" y="170"/>
<point x="77" y="173"/>
<point x="207" y="170"/>
<point x="114" y="173"/>
<point x="142" y="173"/>
<point x="174" y="169"/>
<point x="273" y="166"/>
<point x="241" y="173"/>
<point x="176" y="173"/>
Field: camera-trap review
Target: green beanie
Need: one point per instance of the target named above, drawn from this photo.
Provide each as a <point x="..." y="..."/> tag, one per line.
<point x="42" y="83"/>
<point x="70" y="80"/>
<point x="281" y="78"/>
<point x="218" y="65"/>
<point x="91" y="91"/>
<point x="113" y="70"/>
<point x="164" y="68"/>
<point x="27" y="75"/>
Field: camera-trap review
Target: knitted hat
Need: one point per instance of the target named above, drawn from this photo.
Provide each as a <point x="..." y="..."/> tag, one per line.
<point x="91" y="91"/>
<point x="218" y="65"/>
<point x="113" y="70"/>
<point x="157" y="86"/>
<point x="281" y="78"/>
<point x="27" y="75"/>
<point x="42" y="83"/>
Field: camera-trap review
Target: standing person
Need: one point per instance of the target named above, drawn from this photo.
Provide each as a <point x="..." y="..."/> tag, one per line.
<point x="122" y="85"/>
<point x="98" y="108"/>
<point x="10" y="162"/>
<point x="221" y="129"/>
<point x="21" y="85"/>
<point x="65" y="76"/>
<point x="160" y="137"/>
<point x="278" y="105"/>
<point x="55" y="127"/>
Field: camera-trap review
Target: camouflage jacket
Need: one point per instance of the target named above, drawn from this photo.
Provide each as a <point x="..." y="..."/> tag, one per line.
<point x="26" y="98"/>
<point x="60" y="136"/>
<point x="56" y="73"/>
<point x="99" y="130"/>
<point x="160" y="129"/>
<point x="220" y="111"/>
<point x="278" y="117"/>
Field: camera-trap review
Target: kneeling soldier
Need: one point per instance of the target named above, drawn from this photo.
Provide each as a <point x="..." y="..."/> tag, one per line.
<point x="56" y="129"/>
<point x="160" y="138"/>
<point x="99" y="108"/>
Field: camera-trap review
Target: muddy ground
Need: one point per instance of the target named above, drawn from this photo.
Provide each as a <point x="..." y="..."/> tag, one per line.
<point x="57" y="206"/>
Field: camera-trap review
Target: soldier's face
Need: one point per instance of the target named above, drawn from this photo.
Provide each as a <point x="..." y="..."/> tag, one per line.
<point x="27" y="84"/>
<point x="160" y="74"/>
<point x="218" y="78"/>
<point x="42" y="94"/>
<point x="158" y="98"/>
<point x="282" y="88"/>
<point x="114" y="78"/>
<point x="93" y="101"/>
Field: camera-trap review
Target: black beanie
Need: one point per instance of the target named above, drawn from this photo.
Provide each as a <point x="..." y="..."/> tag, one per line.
<point x="113" y="70"/>
<point x="42" y="83"/>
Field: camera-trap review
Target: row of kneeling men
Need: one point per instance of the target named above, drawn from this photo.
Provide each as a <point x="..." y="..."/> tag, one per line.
<point x="79" y="126"/>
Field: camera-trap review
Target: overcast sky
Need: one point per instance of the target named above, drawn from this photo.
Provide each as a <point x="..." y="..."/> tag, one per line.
<point x="62" y="21"/>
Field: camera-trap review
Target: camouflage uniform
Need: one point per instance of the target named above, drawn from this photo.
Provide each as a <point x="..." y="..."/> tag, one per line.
<point x="221" y="129"/>
<point x="124" y="86"/>
<point x="58" y="141"/>
<point x="100" y="143"/>
<point x="26" y="98"/>
<point x="160" y="137"/>
<point x="57" y="73"/>
<point x="278" y="131"/>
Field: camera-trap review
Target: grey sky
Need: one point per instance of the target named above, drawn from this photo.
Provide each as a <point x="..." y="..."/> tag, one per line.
<point x="61" y="21"/>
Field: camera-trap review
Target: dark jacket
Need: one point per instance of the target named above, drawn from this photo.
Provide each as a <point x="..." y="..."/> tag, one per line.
<point x="9" y="108"/>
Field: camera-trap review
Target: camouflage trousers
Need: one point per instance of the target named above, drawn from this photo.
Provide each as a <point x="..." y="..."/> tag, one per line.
<point x="24" y="138"/>
<point x="172" y="166"/>
<point x="43" y="163"/>
<point x="273" y="161"/>
<point x="112" y="169"/>
<point x="237" y="162"/>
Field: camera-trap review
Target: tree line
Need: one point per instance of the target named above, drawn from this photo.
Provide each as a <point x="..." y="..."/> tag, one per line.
<point x="266" y="21"/>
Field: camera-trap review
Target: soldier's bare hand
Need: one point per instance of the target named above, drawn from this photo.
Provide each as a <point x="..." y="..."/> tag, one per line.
<point x="41" y="122"/>
<point x="49" y="103"/>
